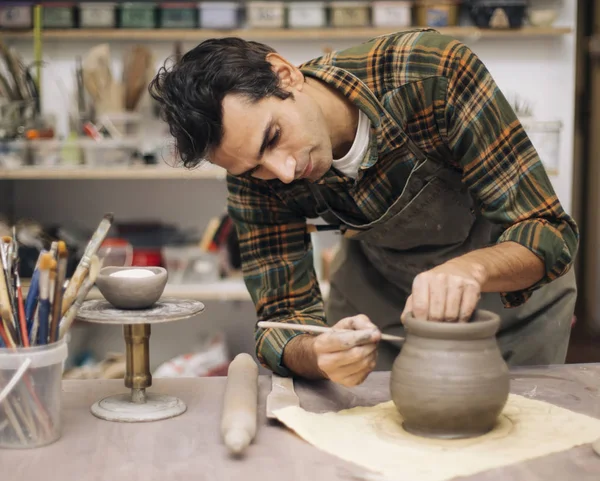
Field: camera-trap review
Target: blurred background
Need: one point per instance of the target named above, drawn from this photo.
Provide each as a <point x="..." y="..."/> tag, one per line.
<point x="80" y="136"/>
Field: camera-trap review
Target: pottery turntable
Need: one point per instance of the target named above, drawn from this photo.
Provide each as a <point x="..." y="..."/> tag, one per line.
<point x="135" y="303"/>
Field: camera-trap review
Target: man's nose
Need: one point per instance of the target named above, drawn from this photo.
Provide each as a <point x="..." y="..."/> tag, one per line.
<point x="284" y="170"/>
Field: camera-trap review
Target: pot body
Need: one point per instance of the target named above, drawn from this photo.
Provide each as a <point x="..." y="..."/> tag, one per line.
<point x="450" y="380"/>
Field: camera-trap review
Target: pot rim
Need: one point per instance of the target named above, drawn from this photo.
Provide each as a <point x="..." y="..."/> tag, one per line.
<point x="483" y="324"/>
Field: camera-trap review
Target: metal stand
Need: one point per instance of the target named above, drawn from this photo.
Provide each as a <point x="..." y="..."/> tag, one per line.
<point x="138" y="405"/>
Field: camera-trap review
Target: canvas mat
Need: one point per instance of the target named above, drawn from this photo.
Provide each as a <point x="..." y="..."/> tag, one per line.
<point x="372" y="437"/>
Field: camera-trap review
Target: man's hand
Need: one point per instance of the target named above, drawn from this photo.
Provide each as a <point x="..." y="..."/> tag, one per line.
<point x="346" y="355"/>
<point x="449" y="292"/>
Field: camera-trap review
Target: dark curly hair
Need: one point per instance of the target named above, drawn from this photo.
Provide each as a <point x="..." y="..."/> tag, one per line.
<point x="191" y="92"/>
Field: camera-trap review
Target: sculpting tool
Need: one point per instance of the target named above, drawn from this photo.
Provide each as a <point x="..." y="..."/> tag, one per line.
<point x="44" y="302"/>
<point x="316" y="329"/>
<point x="58" y="290"/>
<point x="238" y="419"/>
<point x="84" y="264"/>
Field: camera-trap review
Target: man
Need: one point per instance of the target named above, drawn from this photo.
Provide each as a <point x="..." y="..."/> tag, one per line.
<point x="408" y="146"/>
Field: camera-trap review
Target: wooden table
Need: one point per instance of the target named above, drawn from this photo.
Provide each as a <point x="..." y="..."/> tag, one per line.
<point x="189" y="447"/>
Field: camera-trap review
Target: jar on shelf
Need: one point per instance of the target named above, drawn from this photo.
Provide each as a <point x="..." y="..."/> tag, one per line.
<point x="306" y="14"/>
<point x="219" y="15"/>
<point x="137" y="15"/>
<point x="265" y="14"/>
<point x="350" y="13"/>
<point x="437" y="13"/>
<point x="16" y="15"/>
<point x="97" y="14"/>
<point x="392" y="13"/>
<point x="58" y="15"/>
<point x="178" y="15"/>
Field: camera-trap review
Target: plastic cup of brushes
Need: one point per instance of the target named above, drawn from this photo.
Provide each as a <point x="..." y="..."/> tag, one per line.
<point x="30" y="395"/>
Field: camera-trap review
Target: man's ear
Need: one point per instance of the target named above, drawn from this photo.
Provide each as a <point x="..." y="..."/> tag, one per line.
<point x="290" y="77"/>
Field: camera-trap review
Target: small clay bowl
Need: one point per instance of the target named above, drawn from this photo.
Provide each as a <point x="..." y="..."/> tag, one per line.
<point x="132" y="292"/>
<point x="450" y="380"/>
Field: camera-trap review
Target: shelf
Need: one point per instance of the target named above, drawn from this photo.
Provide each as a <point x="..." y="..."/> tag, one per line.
<point x="123" y="173"/>
<point x="274" y="34"/>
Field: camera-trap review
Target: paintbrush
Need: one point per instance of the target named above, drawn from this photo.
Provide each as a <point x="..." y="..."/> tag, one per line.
<point x="6" y="304"/>
<point x="32" y="296"/>
<point x="315" y="329"/>
<point x="44" y="301"/>
<point x="21" y="312"/>
<point x="58" y="290"/>
<point x="69" y="317"/>
<point x="82" y="268"/>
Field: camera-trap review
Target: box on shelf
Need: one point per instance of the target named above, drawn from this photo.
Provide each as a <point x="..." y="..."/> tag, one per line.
<point x="16" y="15"/>
<point x="265" y="14"/>
<point x="437" y="13"/>
<point x="137" y="15"/>
<point x="54" y="152"/>
<point x="97" y="14"/>
<point x="307" y="14"/>
<point x="392" y="13"/>
<point x="219" y="14"/>
<point x="177" y="15"/>
<point x="350" y="13"/>
<point x="59" y="15"/>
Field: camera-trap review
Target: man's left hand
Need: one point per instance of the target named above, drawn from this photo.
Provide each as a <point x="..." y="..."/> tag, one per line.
<point x="447" y="293"/>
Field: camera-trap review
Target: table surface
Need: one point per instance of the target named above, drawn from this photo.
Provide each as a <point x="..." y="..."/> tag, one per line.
<point x="189" y="446"/>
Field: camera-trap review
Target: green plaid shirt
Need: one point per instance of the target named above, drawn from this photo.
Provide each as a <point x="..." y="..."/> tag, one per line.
<point x="434" y="89"/>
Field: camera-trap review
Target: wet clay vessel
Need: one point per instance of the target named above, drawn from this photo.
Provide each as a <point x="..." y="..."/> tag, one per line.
<point x="450" y="380"/>
<point x="131" y="292"/>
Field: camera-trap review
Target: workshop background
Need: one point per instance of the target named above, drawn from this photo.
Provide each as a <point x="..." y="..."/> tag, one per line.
<point x="80" y="137"/>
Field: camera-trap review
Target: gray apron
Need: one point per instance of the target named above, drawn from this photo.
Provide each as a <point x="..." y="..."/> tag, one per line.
<point x="432" y="221"/>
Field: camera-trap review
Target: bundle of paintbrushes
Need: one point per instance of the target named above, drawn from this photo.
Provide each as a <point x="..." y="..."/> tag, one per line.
<point x="35" y="323"/>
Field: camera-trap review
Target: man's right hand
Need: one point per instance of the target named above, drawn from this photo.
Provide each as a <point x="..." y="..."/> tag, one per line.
<point x="346" y="355"/>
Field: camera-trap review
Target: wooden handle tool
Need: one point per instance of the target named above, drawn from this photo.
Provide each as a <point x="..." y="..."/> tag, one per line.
<point x="240" y="404"/>
<point x="316" y="329"/>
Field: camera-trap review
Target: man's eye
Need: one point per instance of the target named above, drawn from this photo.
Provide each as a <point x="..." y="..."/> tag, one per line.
<point x="275" y="138"/>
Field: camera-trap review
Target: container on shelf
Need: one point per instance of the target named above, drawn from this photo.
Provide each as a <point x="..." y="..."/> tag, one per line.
<point x="188" y="264"/>
<point x="350" y="13"/>
<point x="265" y="14"/>
<point x="97" y="14"/>
<point x="437" y="13"/>
<point x="59" y="15"/>
<point x="306" y="14"/>
<point x="177" y="15"/>
<point x="54" y="152"/>
<point x="219" y="15"/>
<point x="543" y="13"/>
<point x="137" y="15"/>
<point x="545" y="137"/>
<point x="108" y="152"/>
<point x="392" y="13"/>
<point x="13" y="153"/>
<point x="35" y="394"/>
<point x="501" y="14"/>
<point x="16" y="15"/>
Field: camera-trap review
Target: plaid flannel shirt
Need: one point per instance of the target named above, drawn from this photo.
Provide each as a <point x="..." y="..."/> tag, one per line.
<point x="436" y="90"/>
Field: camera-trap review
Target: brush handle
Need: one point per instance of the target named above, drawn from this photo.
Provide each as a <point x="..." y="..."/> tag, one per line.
<point x="32" y="299"/>
<point x="44" y="314"/>
<point x="315" y="329"/>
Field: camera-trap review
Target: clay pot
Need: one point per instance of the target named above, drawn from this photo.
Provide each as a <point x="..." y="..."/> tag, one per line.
<point x="132" y="292"/>
<point x="450" y="380"/>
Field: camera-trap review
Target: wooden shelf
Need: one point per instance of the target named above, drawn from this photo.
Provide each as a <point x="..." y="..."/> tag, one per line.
<point x="274" y="34"/>
<point x="123" y="173"/>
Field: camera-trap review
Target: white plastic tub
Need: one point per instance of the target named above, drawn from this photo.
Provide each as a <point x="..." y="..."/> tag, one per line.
<point x="30" y="394"/>
<point x="392" y="14"/>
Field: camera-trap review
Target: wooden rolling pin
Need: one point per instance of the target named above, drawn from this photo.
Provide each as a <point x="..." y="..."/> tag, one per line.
<point x="240" y="404"/>
<point x="317" y="329"/>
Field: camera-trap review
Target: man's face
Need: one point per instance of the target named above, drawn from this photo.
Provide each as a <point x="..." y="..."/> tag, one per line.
<point x="273" y="138"/>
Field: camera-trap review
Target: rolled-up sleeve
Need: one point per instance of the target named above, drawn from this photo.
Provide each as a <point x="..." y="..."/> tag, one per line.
<point x="502" y="169"/>
<point x="277" y="264"/>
